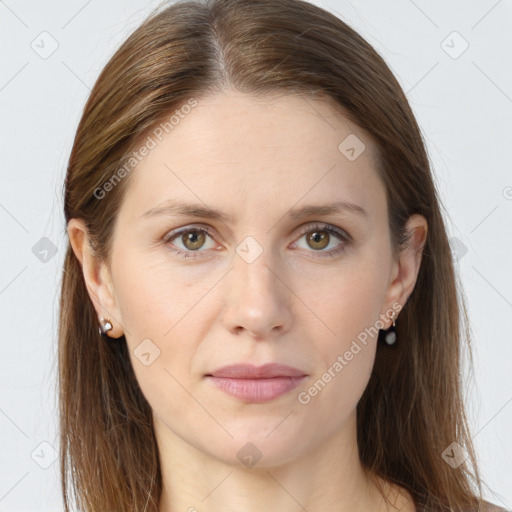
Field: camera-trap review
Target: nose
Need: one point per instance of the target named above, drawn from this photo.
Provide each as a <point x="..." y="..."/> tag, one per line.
<point x="257" y="298"/>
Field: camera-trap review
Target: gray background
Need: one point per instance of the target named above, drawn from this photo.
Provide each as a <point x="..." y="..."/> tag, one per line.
<point x="463" y="102"/>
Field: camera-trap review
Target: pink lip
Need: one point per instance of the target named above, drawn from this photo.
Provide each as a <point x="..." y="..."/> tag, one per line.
<point x="249" y="371"/>
<point x="257" y="384"/>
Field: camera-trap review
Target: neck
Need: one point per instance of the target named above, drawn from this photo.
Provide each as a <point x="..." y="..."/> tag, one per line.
<point x="329" y="478"/>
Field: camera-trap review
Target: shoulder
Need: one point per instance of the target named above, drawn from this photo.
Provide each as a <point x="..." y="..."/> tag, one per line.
<point x="491" y="507"/>
<point x="486" y="506"/>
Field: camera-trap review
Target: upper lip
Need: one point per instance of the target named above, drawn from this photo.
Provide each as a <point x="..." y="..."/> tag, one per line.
<point x="249" y="371"/>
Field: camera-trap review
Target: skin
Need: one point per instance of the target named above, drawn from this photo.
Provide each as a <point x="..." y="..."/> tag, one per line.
<point x="255" y="159"/>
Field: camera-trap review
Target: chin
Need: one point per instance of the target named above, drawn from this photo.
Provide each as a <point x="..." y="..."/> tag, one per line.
<point x="259" y="451"/>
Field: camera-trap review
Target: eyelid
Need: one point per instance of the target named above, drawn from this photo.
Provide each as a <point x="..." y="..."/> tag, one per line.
<point x="324" y="226"/>
<point x="189" y="227"/>
<point x="306" y="229"/>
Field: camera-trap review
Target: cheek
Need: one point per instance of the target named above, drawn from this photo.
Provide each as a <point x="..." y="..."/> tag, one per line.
<point x="350" y="309"/>
<point x="160" y="305"/>
<point x="331" y="397"/>
<point x="347" y="299"/>
<point x="348" y="302"/>
<point x="154" y="294"/>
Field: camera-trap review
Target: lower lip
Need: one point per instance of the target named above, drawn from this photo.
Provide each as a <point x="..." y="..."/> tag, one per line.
<point x="256" y="390"/>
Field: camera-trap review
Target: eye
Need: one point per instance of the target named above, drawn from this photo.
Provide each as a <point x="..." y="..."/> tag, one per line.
<point x="192" y="240"/>
<point x="185" y="242"/>
<point x="320" y="236"/>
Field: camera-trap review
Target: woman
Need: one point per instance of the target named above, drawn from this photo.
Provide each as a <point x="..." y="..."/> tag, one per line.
<point x="259" y="308"/>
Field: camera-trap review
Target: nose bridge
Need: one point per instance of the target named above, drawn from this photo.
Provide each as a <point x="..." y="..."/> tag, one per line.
<point x="256" y="300"/>
<point x="252" y="266"/>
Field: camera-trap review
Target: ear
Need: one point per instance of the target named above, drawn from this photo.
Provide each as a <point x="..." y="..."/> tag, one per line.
<point x="405" y="270"/>
<point x="96" y="276"/>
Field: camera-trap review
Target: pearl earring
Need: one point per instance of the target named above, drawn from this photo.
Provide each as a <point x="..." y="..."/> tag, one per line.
<point x="390" y="336"/>
<point x="105" y="326"/>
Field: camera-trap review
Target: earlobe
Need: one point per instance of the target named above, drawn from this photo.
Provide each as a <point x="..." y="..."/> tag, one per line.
<point x="96" y="276"/>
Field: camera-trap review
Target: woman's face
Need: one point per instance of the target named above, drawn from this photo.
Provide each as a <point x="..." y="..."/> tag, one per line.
<point x="274" y="280"/>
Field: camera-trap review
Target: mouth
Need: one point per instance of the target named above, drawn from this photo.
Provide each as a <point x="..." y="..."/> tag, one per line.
<point x="256" y="384"/>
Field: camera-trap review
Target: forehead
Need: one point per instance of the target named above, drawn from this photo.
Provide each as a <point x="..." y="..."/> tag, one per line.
<point x="271" y="149"/>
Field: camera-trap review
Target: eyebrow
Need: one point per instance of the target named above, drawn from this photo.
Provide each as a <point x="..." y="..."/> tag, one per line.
<point x="180" y="208"/>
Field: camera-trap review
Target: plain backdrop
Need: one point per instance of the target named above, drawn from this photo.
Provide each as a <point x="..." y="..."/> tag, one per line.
<point x="453" y="59"/>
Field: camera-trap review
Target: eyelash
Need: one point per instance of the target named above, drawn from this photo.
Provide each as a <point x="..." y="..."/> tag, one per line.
<point x="344" y="237"/>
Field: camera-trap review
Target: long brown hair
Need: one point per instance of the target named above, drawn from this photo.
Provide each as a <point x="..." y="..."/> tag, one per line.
<point x="412" y="409"/>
